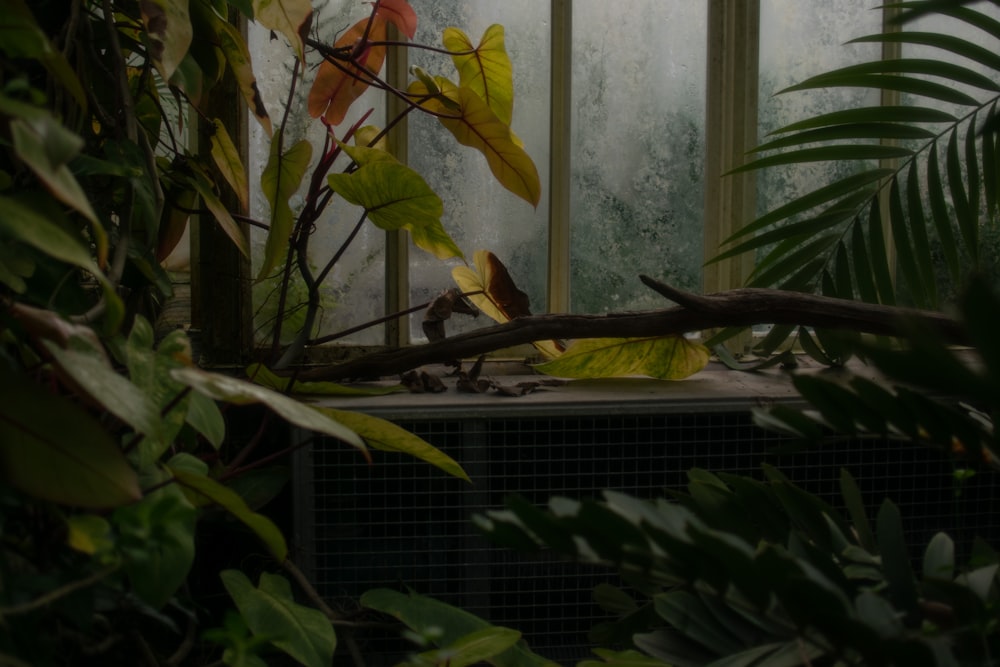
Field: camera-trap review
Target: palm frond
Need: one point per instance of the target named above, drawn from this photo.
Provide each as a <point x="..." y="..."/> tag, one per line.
<point x="904" y="224"/>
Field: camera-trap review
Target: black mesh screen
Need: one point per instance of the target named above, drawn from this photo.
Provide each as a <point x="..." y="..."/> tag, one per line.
<point x="402" y="523"/>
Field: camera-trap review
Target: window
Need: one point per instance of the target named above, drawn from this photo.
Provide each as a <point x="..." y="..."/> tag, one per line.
<point x="631" y="113"/>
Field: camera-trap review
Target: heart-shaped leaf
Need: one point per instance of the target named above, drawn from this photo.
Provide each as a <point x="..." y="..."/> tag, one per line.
<point x="473" y="123"/>
<point x="485" y="69"/>
<point x="335" y="88"/>
<point x="270" y="611"/>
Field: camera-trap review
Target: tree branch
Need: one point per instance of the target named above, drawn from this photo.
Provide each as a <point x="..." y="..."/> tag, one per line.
<point x="734" y="308"/>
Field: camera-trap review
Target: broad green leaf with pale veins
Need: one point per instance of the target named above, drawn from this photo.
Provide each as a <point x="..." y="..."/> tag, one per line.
<point x="474" y="124"/>
<point x="384" y="435"/>
<point x="395" y="197"/>
<point x="281" y="179"/>
<point x="664" y="358"/>
<point x="270" y="611"/>
<point x="51" y="448"/>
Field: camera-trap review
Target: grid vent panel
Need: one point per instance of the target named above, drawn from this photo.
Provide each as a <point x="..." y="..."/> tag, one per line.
<point x="402" y="523"/>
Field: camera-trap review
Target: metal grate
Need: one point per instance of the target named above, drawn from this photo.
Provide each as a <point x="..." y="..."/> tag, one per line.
<point x="401" y="523"/>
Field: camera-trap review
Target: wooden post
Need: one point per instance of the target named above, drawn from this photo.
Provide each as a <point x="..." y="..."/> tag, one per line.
<point x="221" y="306"/>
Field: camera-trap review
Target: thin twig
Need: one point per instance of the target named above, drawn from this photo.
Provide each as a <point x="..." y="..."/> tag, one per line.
<point x="56" y="593"/>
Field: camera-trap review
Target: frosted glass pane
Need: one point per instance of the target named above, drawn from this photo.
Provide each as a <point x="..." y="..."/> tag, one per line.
<point x="478" y="212"/>
<point x="638" y="150"/>
<point x="353" y="292"/>
<point x="800" y="39"/>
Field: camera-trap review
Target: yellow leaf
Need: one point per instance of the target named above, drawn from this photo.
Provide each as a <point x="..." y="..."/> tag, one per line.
<point x="474" y="124"/>
<point x="664" y="358"/>
<point x="292" y="18"/>
<point x="234" y="47"/>
<point x="485" y="69"/>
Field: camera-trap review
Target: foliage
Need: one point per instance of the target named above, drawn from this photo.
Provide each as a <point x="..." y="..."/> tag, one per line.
<point x="117" y="457"/>
<point x="907" y="220"/>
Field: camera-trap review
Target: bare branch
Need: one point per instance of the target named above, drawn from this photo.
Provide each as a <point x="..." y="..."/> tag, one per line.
<point x="734" y="308"/>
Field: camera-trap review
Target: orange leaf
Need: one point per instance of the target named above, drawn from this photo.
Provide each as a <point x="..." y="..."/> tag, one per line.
<point x="337" y="86"/>
<point x="400" y="14"/>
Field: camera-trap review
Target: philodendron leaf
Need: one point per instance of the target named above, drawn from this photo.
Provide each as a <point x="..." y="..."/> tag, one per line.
<point x="489" y="286"/>
<point x="395" y="197"/>
<point x="386" y="436"/>
<point x="474" y="124"/>
<point x="421" y="614"/>
<point x="292" y="18"/>
<point x="337" y="86"/>
<point x="280" y="180"/>
<point x="168" y="27"/>
<point x="664" y="358"/>
<point x="485" y="69"/>
<point x="270" y="610"/>
<point x="157" y="539"/>
<point x="231" y="501"/>
<point x="52" y="449"/>
<point x="472" y="649"/>
<point x="240" y="392"/>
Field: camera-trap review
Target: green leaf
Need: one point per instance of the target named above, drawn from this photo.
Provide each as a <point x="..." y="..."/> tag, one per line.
<point x="421" y="614"/>
<point x="384" y="435"/>
<point x="157" y="539"/>
<point x="270" y="610"/>
<point x="229" y="500"/>
<point x="621" y="659"/>
<point x="903" y="84"/>
<point x="240" y="392"/>
<point x="168" y="28"/>
<point x="292" y="18"/>
<point x="485" y="69"/>
<point x="91" y="371"/>
<point x="664" y="358"/>
<point x="150" y="371"/>
<point x="474" y="124"/>
<point x="895" y="559"/>
<point x="918" y="230"/>
<point x="920" y="66"/>
<point x="879" y="256"/>
<point x="968" y="222"/>
<point x="204" y="416"/>
<point x="227" y="159"/>
<point x="279" y="181"/>
<point x="474" y="648"/>
<point x="52" y="449"/>
<point x="841" y="132"/>
<point x="940" y="215"/>
<point x="21" y="37"/>
<point x="395" y="197"/>
<point x="856" y="509"/>
<point x="833" y="153"/>
<point x="27" y="225"/>
<point x="847" y="186"/>
<point x="939" y="40"/>
<point x="688" y="615"/>
<point x="883" y="114"/>
<point x="939" y="558"/>
<point x="46" y="147"/>
<point x="200" y="182"/>
<point x="906" y="256"/>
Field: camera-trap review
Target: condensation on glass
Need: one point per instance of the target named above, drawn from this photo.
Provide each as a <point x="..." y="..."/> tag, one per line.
<point x="638" y="143"/>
